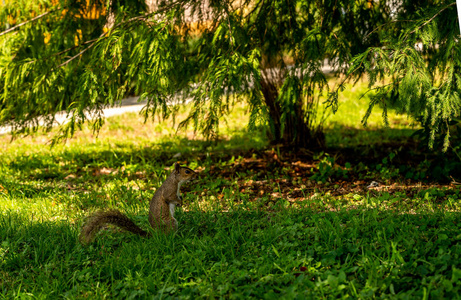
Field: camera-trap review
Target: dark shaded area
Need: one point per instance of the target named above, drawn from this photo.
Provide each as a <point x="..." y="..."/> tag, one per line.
<point x="298" y="172"/>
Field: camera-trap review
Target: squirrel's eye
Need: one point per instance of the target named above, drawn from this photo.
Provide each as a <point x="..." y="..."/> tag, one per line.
<point x="187" y="171"/>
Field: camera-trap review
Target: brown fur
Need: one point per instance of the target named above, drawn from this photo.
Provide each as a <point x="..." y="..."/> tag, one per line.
<point x="96" y="221"/>
<point x="160" y="217"/>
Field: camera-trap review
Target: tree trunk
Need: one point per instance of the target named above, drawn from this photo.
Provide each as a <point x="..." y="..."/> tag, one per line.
<point x="295" y="131"/>
<point x="270" y="93"/>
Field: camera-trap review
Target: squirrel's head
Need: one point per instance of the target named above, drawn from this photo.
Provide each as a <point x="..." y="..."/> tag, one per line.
<point x="184" y="174"/>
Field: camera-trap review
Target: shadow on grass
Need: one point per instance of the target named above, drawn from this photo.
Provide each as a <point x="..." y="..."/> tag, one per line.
<point x="55" y="164"/>
<point x="379" y="157"/>
<point x="343" y="136"/>
<point x="165" y="150"/>
<point x="164" y="153"/>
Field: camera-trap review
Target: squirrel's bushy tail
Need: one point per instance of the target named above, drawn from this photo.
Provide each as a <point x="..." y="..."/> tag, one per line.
<point x="95" y="222"/>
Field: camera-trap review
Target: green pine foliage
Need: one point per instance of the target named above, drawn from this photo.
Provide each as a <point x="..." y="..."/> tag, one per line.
<point x="81" y="56"/>
<point x="416" y="69"/>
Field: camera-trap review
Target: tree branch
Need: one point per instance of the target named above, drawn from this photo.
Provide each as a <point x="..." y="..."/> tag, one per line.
<point x="29" y="21"/>
<point x="432" y="18"/>
<point x="382" y="25"/>
<point x="397" y="21"/>
<point x="81" y="52"/>
<point x="93" y="42"/>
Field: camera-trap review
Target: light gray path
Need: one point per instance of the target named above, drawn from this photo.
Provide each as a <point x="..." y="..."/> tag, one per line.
<point x="130" y="104"/>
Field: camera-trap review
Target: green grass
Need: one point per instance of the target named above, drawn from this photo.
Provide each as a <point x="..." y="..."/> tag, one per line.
<point x="258" y="223"/>
<point x="345" y="129"/>
<point x="241" y="254"/>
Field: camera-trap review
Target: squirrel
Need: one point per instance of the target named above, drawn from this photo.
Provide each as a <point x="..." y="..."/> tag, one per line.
<point x="161" y="209"/>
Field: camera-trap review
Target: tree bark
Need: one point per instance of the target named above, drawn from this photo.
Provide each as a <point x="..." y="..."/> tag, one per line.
<point x="295" y="132"/>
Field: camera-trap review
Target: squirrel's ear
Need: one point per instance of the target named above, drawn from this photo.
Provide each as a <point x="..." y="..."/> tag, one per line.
<point x="176" y="167"/>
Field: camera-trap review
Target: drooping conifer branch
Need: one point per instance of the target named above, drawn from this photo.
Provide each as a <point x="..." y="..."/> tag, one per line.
<point x="267" y="53"/>
<point x="29" y="21"/>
